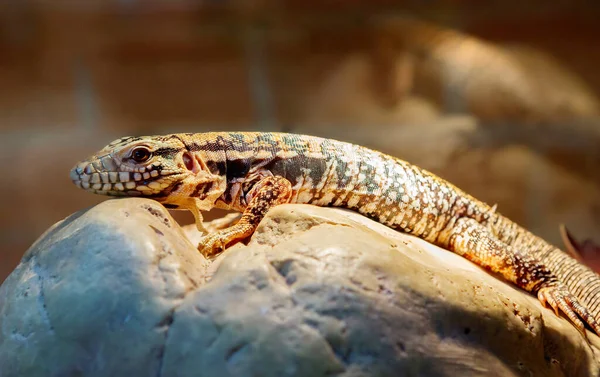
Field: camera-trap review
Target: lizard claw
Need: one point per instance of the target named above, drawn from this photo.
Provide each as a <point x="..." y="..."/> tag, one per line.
<point x="212" y="244"/>
<point x="560" y="299"/>
<point x="216" y="242"/>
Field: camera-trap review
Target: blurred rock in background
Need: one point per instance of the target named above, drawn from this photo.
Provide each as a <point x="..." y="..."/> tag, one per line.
<point x="502" y="101"/>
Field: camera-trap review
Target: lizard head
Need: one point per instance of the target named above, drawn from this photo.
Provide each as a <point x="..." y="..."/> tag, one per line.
<point x="158" y="167"/>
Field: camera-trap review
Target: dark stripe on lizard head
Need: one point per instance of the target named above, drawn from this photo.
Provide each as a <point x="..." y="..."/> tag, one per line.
<point x="166" y="151"/>
<point x="120" y="142"/>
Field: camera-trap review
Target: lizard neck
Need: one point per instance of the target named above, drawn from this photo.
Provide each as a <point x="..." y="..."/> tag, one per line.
<point x="206" y="180"/>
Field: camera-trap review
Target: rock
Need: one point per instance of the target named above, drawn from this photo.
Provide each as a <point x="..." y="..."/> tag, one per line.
<point x="118" y="290"/>
<point x="94" y="296"/>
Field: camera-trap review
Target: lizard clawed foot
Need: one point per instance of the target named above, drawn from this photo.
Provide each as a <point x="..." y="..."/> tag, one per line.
<point x="216" y="242"/>
<point x="560" y="299"/>
<point x="213" y="244"/>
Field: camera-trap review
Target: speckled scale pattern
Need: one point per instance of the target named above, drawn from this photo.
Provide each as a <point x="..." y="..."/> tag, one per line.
<point x="330" y="173"/>
<point x="581" y="280"/>
<point x="251" y="172"/>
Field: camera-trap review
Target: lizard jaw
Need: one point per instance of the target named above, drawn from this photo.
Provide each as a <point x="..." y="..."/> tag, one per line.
<point x="101" y="176"/>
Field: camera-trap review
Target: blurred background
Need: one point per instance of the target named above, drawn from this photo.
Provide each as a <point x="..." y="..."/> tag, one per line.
<point x="500" y="98"/>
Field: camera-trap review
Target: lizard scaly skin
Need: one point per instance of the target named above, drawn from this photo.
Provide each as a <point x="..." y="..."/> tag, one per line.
<point x="252" y="172"/>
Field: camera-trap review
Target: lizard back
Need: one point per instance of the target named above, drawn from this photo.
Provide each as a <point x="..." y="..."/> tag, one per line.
<point x="327" y="172"/>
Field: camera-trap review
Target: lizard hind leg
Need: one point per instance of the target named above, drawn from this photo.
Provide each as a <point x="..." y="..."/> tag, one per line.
<point x="476" y="243"/>
<point x="265" y="194"/>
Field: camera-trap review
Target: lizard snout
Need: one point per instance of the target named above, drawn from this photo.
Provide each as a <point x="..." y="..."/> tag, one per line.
<point x="81" y="172"/>
<point x="102" y="176"/>
<point x="99" y="175"/>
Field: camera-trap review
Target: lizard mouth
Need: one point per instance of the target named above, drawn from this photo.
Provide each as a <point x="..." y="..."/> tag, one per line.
<point x="101" y="177"/>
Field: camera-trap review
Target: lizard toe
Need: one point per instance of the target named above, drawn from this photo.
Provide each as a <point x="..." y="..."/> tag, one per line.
<point x="582" y="312"/>
<point x="561" y="300"/>
<point x="547" y="299"/>
<point x="212" y="244"/>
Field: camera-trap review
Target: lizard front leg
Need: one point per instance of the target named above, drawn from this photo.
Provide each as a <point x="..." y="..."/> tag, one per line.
<point x="265" y="194"/>
<point x="475" y="242"/>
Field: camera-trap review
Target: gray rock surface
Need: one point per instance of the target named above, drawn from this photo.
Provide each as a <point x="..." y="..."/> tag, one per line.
<point x="118" y="290"/>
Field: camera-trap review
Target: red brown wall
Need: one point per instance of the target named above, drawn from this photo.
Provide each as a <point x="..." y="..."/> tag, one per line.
<point x="74" y="77"/>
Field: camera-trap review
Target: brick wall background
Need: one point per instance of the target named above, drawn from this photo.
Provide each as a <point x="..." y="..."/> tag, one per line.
<point x="76" y="75"/>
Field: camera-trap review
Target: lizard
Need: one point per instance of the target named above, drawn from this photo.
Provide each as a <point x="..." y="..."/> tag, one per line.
<point x="251" y="172"/>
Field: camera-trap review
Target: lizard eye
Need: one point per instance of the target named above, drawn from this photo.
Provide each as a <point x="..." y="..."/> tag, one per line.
<point x="140" y="154"/>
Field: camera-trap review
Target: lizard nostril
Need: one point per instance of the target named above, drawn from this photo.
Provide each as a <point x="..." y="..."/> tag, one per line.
<point x="188" y="161"/>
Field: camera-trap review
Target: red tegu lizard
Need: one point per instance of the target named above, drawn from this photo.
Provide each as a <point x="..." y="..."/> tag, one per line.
<point x="252" y="172"/>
